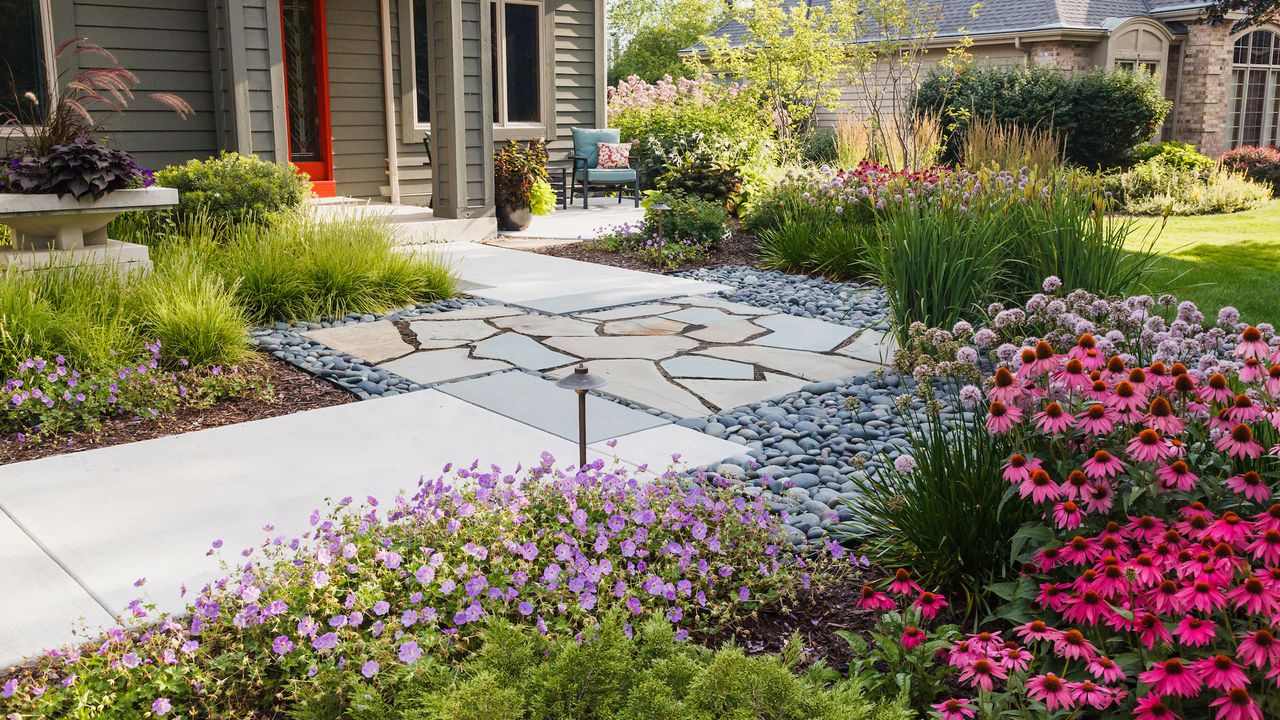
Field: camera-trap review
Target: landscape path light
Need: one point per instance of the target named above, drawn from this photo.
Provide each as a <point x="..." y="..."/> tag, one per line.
<point x="580" y="381"/>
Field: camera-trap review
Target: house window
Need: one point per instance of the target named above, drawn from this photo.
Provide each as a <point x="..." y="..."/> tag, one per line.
<point x="421" y="65"/>
<point x="23" y="51"/>
<point x="1254" y="113"/>
<point x="1146" y="66"/>
<point x="516" y="29"/>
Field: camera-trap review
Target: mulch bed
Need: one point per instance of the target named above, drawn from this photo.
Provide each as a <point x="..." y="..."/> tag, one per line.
<point x="738" y="249"/>
<point x="295" y="390"/>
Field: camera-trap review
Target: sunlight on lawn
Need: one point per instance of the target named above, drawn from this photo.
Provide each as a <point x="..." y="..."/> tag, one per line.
<point x="1217" y="260"/>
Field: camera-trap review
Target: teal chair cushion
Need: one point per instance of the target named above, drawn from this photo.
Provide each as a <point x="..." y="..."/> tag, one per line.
<point x="586" y="142"/>
<point x="608" y="175"/>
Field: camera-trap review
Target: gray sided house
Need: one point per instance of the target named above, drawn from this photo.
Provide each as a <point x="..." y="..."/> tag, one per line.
<point x="1225" y="86"/>
<point x="346" y="89"/>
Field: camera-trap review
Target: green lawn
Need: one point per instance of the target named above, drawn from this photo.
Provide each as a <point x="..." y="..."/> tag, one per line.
<point x="1216" y="260"/>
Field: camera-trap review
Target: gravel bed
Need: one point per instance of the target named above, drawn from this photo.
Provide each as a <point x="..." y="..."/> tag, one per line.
<point x="858" y="306"/>
<point x="286" y="342"/>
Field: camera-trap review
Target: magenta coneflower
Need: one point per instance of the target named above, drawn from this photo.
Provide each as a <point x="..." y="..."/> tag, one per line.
<point x="913" y="637"/>
<point x="1072" y="375"/>
<point x="1149" y="446"/>
<point x="1220" y="672"/>
<point x="1074" y="487"/>
<point x="1259" y="648"/>
<point x="1097" y="419"/>
<point x="1105" y="669"/>
<point x="1114" y="370"/>
<point x="1202" y="596"/>
<point x="1237" y="705"/>
<point x="1099" y="391"/>
<point x="982" y="673"/>
<point x="1244" y="410"/>
<point x="1067" y="515"/>
<point x="1125" y="397"/>
<point x="1053" y="596"/>
<point x="1046" y="559"/>
<point x="1145" y="571"/>
<point x="1039" y="487"/>
<point x="1001" y="417"/>
<point x="1272" y="385"/>
<point x="1250" y="485"/>
<point x="1152" y="707"/>
<point x="902" y="584"/>
<point x="872" y="599"/>
<point x="1266" y="548"/>
<point x="1036" y="630"/>
<point x="1102" y="465"/>
<point x="1005" y="387"/>
<point x="1252" y="371"/>
<point x="1051" y="690"/>
<point x="1053" y="419"/>
<point x="1160" y="416"/>
<point x="1268" y="519"/>
<point x="1177" y="476"/>
<point x="1086" y="351"/>
<point x="1151" y="631"/>
<point x="1018" y="467"/>
<point x="1138" y="379"/>
<point x="1230" y="528"/>
<point x="955" y="709"/>
<point x="1088" y="608"/>
<point x="1252" y="345"/>
<point x="1014" y="659"/>
<point x="1090" y="694"/>
<point x="1172" y="677"/>
<point x="1217" y="389"/>
<point x="1072" y="646"/>
<point x="1239" y="443"/>
<point x="1193" y="631"/>
<point x="1145" y="528"/>
<point x="1044" y="359"/>
<point x="929" y="604"/>
<point x="1253" y="597"/>
<point x="1080" y="551"/>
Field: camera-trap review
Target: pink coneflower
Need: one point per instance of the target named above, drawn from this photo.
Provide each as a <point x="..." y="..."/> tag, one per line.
<point x="1013" y="659"/>
<point x="1160" y="416"/>
<point x="913" y="637"/>
<point x="1036" y="630"/>
<point x="929" y="604"/>
<point x="1067" y="515"/>
<point x="1195" y="632"/>
<point x="1202" y="596"/>
<point x="1177" y="476"/>
<point x="1080" y="551"/>
<point x="1252" y="371"/>
<point x="1237" y="705"/>
<point x="902" y="584"/>
<point x="1072" y="375"/>
<point x="1172" y="677"/>
<point x="1005" y="387"/>
<point x="1053" y="596"/>
<point x="1216" y="389"/>
<point x="1268" y="519"/>
<point x="1086" y="351"/>
<point x="1098" y="497"/>
<point x="955" y="709"/>
<point x="1125" y="397"/>
<point x="1074" y="487"/>
<point x="1053" y="419"/>
<point x="1114" y="370"/>
<point x="1039" y="487"/>
<point x="1051" y="690"/>
<point x="986" y="641"/>
<point x="961" y="653"/>
<point x="1230" y="528"/>
<point x="1105" y="669"/>
<point x="982" y="673"/>
<point x="1138" y="379"/>
<point x="1102" y="465"/>
<point x="1043" y="360"/>
<point x="1086" y="608"/>
<point x="1149" y="446"/>
<point x="1250" y="485"/>
<point x="1099" y="391"/>
<point x="1266" y="548"/>
<point x="1046" y="559"/>
<point x="1097" y="419"/>
<point x="1001" y="418"/>
<point x="1072" y="646"/>
<point x="1239" y="443"/>
<point x="1151" y="631"/>
<point x="1152" y="707"/>
<point x="1145" y="528"/>
<point x="1252" y="596"/>
<point x="1220" y="672"/>
<point x="1259" y="648"/>
<point x="1272" y="385"/>
<point x="1019" y="467"/>
<point x="1243" y="410"/>
<point x="872" y="599"/>
<point x="1252" y="345"/>
<point x="1144" y="569"/>
<point x="1158" y="376"/>
<point x="1089" y="694"/>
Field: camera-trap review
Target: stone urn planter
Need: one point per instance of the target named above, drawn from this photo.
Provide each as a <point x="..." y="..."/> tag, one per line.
<point x="52" y="230"/>
<point x="511" y="219"/>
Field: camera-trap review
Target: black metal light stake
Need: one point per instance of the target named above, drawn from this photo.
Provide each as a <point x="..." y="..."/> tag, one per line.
<point x="580" y="381"/>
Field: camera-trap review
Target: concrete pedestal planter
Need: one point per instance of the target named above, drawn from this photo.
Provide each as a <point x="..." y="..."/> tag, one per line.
<point x="51" y="230"/>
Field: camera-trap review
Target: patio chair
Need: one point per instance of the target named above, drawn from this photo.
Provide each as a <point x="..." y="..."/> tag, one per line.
<point x="586" y="159"/>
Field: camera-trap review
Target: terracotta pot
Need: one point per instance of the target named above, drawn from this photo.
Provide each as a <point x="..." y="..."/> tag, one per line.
<point x="512" y="219"/>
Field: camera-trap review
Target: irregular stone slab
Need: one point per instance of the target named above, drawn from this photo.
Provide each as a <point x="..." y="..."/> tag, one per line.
<point x="701" y="316"/>
<point x="434" y="334"/>
<point x="872" y="345"/>
<point x="722" y="304"/>
<point x="731" y="332"/>
<point x="644" y="326"/>
<point x="696" y="366"/>
<point x="477" y="312"/>
<point x="521" y="351"/>
<point x="727" y="394"/>
<point x="437" y="366"/>
<point x="640" y="382"/>
<point x="798" y="333"/>
<point x="695" y="449"/>
<point x="632" y="311"/>
<point x="811" y="366"/>
<point x="544" y="326"/>
<point x="653" y="347"/>
<point x="538" y="402"/>
<point x="375" y="342"/>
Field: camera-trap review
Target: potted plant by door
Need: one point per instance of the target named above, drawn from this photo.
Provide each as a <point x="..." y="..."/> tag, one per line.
<point x="521" y="186"/>
<point x="61" y="183"/>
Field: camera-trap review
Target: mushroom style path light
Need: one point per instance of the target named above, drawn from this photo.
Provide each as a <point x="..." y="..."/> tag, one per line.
<point x="580" y="381"/>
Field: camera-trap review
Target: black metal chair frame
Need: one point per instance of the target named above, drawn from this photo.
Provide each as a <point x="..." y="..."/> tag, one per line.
<point x="580" y="162"/>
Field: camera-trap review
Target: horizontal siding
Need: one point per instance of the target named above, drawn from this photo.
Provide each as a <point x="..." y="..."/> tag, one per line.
<point x="257" y="60"/>
<point x="576" y="86"/>
<point x="355" y="92"/>
<point x="166" y="44"/>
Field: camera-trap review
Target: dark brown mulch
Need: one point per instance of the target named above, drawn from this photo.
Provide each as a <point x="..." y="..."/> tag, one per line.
<point x="738" y="249"/>
<point x="294" y="390"/>
<point x="816" y="615"/>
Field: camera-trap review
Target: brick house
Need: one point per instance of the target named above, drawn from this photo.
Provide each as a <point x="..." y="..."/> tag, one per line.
<point x="1225" y="86"/>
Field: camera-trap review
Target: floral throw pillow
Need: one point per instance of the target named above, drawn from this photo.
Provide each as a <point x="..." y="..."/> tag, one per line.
<point x="614" y="156"/>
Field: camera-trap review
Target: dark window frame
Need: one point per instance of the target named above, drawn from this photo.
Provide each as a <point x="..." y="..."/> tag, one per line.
<point x="44" y="65"/>
<point x="499" y="41"/>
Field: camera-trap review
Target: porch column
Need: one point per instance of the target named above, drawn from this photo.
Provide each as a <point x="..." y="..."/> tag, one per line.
<point x="1206" y="87"/>
<point x="461" y="109"/>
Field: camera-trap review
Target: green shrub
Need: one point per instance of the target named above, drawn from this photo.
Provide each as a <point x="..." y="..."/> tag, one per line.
<point x="701" y="167"/>
<point x="669" y="239"/>
<point x="1260" y="164"/>
<point x="517" y="673"/>
<point x="1155" y="187"/>
<point x="1101" y="115"/>
<point x="1180" y="155"/>
<point x="820" y="147"/>
<point x="817" y="242"/>
<point x="234" y="188"/>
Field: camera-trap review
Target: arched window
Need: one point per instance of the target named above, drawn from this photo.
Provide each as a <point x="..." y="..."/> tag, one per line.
<point x="1254" y="115"/>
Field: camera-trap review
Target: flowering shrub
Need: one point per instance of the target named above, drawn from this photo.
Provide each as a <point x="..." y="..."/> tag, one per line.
<point x="1151" y="587"/>
<point x="681" y="235"/>
<point x="1163" y="187"/>
<point x="45" y="398"/>
<point x="1260" y="164"/>
<point x="369" y="592"/>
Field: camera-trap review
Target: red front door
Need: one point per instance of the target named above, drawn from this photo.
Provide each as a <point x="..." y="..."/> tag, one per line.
<point x="306" y="81"/>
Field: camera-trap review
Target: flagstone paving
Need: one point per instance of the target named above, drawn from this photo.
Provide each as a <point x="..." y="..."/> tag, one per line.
<point x="686" y="357"/>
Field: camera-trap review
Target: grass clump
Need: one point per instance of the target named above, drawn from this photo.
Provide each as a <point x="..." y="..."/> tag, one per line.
<point x="1162" y="187"/>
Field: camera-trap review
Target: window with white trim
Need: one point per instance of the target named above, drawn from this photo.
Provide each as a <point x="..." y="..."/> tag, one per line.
<point x="516" y="46"/>
<point x="24" y="52"/>
<point x="1254" y="114"/>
